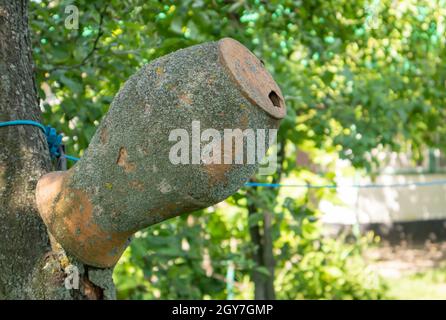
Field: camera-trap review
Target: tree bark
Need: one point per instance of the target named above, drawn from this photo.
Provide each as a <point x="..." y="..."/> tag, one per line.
<point x="30" y="268"/>
<point x="263" y="256"/>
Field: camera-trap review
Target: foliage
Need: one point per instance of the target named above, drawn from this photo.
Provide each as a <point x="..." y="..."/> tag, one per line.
<point x="190" y="257"/>
<point x="358" y="76"/>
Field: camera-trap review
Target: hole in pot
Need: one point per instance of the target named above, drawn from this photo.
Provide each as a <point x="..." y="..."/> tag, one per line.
<point x="275" y="99"/>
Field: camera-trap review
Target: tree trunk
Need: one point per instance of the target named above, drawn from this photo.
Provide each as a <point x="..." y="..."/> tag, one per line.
<point x="268" y="255"/>
<point x="29" y="267"/>
<point x="263" y="256"/>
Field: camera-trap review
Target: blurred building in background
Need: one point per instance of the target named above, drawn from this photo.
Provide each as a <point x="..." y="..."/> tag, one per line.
<point x="413" y="214"/>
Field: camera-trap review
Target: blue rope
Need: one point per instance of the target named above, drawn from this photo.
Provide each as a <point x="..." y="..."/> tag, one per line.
<point x="23" y="122"/>
<point x="71" y="158"/>
<point x="356" y="186"/>
<point x="54" y="140"/>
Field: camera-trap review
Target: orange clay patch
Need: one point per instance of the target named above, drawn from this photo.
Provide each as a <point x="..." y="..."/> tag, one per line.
<point x="74" y="226"/>
<point x="249" y="74"/>
<point x="103" y="137"/>
<point x="124" y="162"/>
<point x="185" y="99"/>
<point x="68" y="214"/>
<point x="244" y="121"/>
<point x="217" y="172"/>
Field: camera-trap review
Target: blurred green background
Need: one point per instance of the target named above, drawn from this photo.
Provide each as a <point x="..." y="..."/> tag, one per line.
<point x="357" y="76"/>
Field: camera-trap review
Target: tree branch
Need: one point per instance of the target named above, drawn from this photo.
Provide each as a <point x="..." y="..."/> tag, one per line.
<point x="93" y="49"/>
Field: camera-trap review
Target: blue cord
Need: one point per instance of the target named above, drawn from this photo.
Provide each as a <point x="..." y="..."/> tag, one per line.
<point x="54" y="140"/>
<point x="23" y="122"/>
<point x="71" y="158"/>
<point x="357" y="186"/>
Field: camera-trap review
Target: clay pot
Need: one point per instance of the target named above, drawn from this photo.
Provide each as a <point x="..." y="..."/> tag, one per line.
<point x="126" y="180"/>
